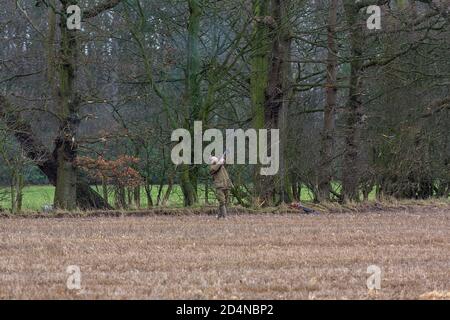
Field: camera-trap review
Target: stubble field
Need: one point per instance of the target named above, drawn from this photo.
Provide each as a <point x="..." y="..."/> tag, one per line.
<point x="244" y="257"/>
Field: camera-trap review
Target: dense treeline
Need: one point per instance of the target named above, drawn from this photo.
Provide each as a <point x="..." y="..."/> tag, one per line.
<point x="358" y="109"/>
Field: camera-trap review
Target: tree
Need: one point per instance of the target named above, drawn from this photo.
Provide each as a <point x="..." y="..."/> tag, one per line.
<point x="326" y="152"/>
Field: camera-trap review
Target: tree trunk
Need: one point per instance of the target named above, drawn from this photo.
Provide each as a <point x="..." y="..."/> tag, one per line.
<point x="206" y="193"/>
<point x="187" y="187"/>
<point x="129" y="194"/>
<point x="160" y="189"/>
<point x="168" y="191"/>
<point x="19" y="188"/>
<point x="13" y="194"/>
<point x="148" y="193"/>
<point x="351" y="170"/>
<point x="326" y="152"/>
<point x="193" y="59"/>
<point x="188" y="173"/>
<point x="66" y="177"/>
<point x="51" y="43"/>
<point x="285" y="40"/>
<point x="68" y="109"/>
<point x="120" y="197"/>
<point x="294" y="188"/>
<point x="269" y="86"/>
<point x="258" y="81"/>
<point x="137" y="196"/>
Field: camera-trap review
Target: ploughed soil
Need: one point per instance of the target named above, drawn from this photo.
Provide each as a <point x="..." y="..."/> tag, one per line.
<point x="246" y="256"/>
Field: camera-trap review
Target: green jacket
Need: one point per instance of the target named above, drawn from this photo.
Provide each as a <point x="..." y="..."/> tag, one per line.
<point x="220" y="176"/>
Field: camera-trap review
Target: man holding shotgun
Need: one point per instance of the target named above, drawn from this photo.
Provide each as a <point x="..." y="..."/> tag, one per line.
<point x="222" y="183"/>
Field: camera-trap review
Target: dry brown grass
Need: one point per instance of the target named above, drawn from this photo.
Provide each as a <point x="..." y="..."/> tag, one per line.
<point x="247" y="256"/>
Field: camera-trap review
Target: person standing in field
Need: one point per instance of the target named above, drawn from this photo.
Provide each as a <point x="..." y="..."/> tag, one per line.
<point x="222" y="183"/>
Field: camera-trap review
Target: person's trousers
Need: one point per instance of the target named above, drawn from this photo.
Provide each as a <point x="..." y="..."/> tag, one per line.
<point x="222" y="196"/>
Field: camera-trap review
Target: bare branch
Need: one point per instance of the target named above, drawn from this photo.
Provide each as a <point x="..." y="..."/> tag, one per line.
<point x="95" y="11"/>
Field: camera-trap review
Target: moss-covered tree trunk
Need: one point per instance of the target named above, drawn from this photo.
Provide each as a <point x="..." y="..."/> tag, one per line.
<point x="67" y="109"/>
<point x="258" y="82"/>
<point x="277" y="96"/>
<point x="269" y="89"/>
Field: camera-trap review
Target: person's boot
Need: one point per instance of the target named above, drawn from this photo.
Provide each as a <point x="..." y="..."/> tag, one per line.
<point x="219" y="213"/>
<point x="223" y="211"/>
